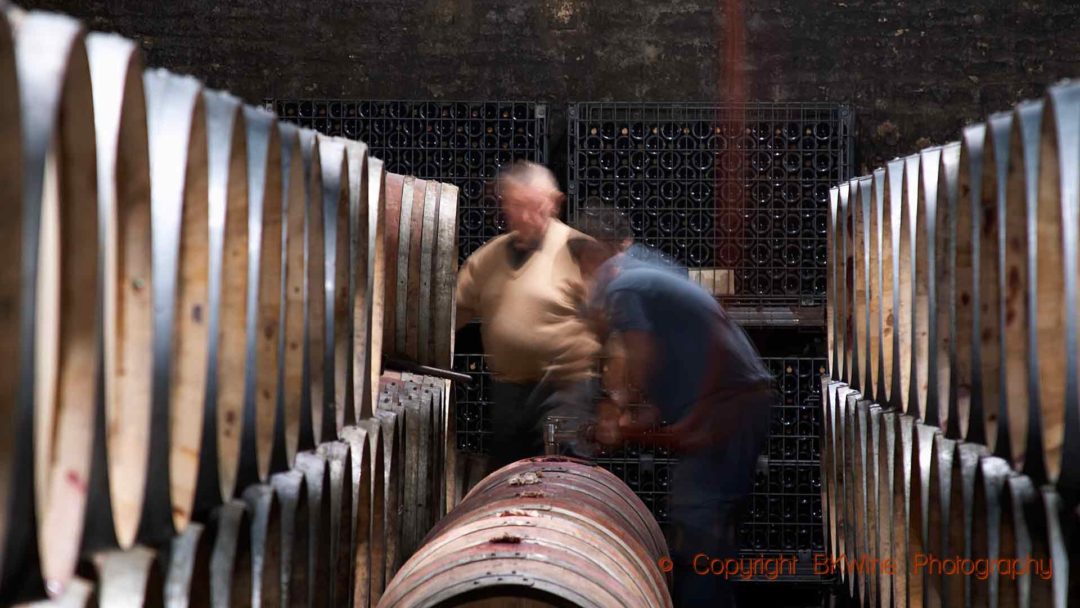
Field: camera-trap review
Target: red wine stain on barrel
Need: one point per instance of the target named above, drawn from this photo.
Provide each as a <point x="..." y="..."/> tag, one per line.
<point x="73" y="478"/>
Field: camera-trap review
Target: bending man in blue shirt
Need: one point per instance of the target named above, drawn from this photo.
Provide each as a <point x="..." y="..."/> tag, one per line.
<point x="686" y="358"/>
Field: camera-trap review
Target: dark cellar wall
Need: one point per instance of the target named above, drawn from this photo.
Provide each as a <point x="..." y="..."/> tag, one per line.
<point x="915" y="71"/>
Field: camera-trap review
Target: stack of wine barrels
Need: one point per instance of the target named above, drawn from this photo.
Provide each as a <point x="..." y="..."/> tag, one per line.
<point x="952" y="411"/>
<point x="196" y="411"/>
<point x="545" y="531"/>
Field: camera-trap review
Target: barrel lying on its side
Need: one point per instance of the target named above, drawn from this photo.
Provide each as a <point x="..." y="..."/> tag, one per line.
<point x="551" y="530"/>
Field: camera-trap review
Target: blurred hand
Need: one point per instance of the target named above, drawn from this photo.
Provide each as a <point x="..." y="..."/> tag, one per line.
<point x="608" y="418"/>
<point x="640" y="418"/>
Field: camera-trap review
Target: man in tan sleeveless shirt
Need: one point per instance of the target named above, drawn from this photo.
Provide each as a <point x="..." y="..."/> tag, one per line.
<point x="526" y="289"/>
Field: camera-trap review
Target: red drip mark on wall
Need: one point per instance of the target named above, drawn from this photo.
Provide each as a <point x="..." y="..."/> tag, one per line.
<point x="731" y="92"/>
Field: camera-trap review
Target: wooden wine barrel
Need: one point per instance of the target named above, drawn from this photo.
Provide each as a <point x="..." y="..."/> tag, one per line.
<point x="180" y="211"/>
<point x="861" y="430"/>
<point x="376" y="283"/>
<point x="904" y="251"/>
<point x="420" y="240"/>
<point x="872" y="470"/>
<point x="886" y="462"/>
<point x="847" y="255"/>
<point x="187" y="578"/>
<point x="986" y="522"/>
<point x="368" y="433"/>
<point x="875" y="344"/>
<point x="839" y="398"/>
<point x="403" y="398"/>
<point x="291" y="491"/>
<point x="266" y="558"/>
<point x="231" y="568"/>
<point x="943" y="342"/>
<point x="291" y="362"/>
<point x="319" y="567"/>
<point x="422" y="408"/>
<point x="360" y="279"/>
<point x="828" y="464"/>
<point x="360" y="543"/>
<point x="940" y="498"/>
<point x="841" y="447"/>
<point x="263" y="293"/>
<point x="1021" y="202"/>
<point x="399" y="192"/>
<point x="57" y="312"/>
<point x="537" y="529"/>
<point x="923" y="403"/>
<point x="847" y="489"/>
<point x="410" y="252"/>
<point x="832" y="303"/>
<point x="894" y="308"/>
<point x="444" y="281"/>
<point x="335" y="175"/>
<point x="939" y="508"/>
<point x="892" y="187"/>
<point x="860" y="203"/>
<point x="227" y="174"/>
<point x="1055" y="312"/>
<point x="15" y="445"/>
<point x="1060" y="546"/>
<point x="130" y="578"/>
<point x="903" y="437"/>
<point x="1024" y="538"/>
<point x="957" y="520"/>
<point x="122" y="421"/>
<point x="991" y="285"/>
<point x="339" y="461"/>
<point x="315" y="417"/>
<point x="826" y="458"/>
<point x="393" y="432"/>
<point x="438" y="389"/>
<point x="363" y="481"/>
<point x="852" y="476"/>
<point x="424" y="313"/>
<point x="576" y="476"/>
<point x="922" y="454"/>
<point x="966" y="384"/>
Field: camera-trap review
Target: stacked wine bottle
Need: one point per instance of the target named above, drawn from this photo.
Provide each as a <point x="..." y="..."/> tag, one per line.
<point x="473" y="401"/>
<point x="461" y="143"/>
<point x="741" y="188"/>
<point x="783" y="514"/>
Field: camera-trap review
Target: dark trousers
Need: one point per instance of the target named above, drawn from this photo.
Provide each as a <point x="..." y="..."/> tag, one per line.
<point x="701" y="534"/>
<point x="519" y="411"/>
<point x="708" y="491"/>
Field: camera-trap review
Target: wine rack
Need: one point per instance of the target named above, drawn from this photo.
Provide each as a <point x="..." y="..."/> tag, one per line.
<point x="737" y="187"/>
<point x="473" y="402"/>
<point x="458" y="142"/>
<point x="782" y="516"/>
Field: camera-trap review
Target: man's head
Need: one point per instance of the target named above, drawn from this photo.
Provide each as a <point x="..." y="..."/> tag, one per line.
<point x="530" y="198"/>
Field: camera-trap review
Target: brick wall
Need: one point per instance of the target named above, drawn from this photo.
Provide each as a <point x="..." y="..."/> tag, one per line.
<point x="915" y="71"/>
